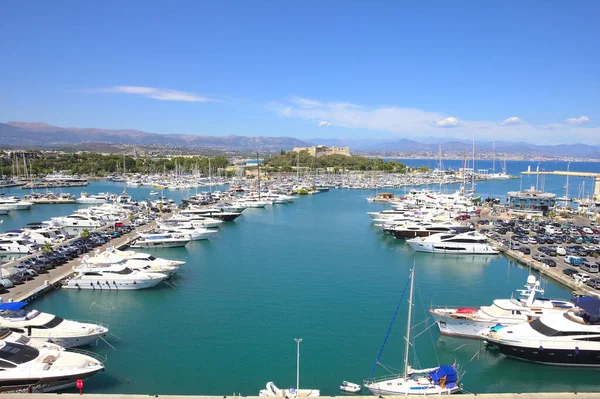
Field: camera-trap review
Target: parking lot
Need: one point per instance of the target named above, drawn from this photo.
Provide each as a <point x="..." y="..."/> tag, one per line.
<point x="567" y="250"/>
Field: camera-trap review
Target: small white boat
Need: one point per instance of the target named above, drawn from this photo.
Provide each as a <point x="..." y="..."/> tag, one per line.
<point x="272" y="390"/>
<point x="350" y="387"/>
<point x="152" y="192"/>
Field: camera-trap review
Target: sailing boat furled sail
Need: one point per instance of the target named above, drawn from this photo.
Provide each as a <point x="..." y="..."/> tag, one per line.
<point x="440" y="380"/>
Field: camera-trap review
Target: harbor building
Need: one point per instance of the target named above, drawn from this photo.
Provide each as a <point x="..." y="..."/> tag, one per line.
<point x="321" y="150"/>
<point x="531" y="202"/>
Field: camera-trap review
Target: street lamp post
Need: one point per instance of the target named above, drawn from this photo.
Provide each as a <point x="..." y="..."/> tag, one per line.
<point x="298" y="340"/>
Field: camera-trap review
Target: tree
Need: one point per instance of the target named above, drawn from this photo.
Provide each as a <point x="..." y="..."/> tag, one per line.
<point x="85" y="234"/>
<point x="46" y="248"/>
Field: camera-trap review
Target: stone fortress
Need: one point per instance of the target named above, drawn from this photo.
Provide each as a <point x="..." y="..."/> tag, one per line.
<point x="321" y="150"/>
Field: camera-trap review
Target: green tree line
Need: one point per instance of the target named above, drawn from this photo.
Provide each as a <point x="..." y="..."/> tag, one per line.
<point x="287" y="161"/>
<point x="94" y="164"/>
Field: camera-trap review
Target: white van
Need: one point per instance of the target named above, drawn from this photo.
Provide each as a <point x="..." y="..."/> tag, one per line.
<point x="589" y="267"/>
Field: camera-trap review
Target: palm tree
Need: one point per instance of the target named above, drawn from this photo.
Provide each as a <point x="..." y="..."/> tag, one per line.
<point x="47" y="247"/>
<point x="85" y="234"/>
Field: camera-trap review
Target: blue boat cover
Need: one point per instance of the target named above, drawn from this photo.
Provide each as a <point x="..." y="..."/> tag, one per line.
<point x="12" y="305"/>
<point x="590" y="304"/>
<point x="447" y="371"/>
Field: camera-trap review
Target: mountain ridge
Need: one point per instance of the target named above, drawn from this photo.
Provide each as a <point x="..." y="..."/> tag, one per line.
<point x="16" y="133"/>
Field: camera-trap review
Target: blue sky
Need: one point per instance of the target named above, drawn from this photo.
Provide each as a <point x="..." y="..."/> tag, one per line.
<point x="509" y="70"/>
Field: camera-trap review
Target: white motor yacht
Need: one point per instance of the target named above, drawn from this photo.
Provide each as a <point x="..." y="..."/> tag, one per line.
<point x="139" y="256"/>
<point x="194" y="233"/>
<point x="86" y="198"/>
<point x="160" y="240"/>
<point x="571" y="338"/>
<point x="77" y="221"/>
<point x="116" y="277"/>
<point x="15" y="246"/>
<point x="14" y="204"/>
<point x="194" y="221"/>
<point x="470" y="243"/>
<point x="29" y="369"/>
<point x="48" y="327"/>
<point x="470" y="322"/>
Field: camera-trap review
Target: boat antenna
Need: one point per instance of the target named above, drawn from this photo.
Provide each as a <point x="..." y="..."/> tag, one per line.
<point x="298" y="340"/>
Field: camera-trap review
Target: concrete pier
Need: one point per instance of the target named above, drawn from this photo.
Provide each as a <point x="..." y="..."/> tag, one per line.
<point x="533" y="395"/>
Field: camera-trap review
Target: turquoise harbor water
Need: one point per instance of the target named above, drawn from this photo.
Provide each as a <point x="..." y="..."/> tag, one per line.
<point x="317" y="270"/>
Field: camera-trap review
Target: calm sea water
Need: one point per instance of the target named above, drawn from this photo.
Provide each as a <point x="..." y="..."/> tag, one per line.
<point x="315" y="269"/>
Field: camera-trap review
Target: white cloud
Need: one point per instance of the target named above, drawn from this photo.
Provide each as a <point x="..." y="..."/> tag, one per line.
<point x="577" y="121"/>
<point x="415" y="123"/>
<point x="324" y="124"/>
<point x="157" y="94"/>
<point x="448" y="122"/>
<point x="514" y="120"/>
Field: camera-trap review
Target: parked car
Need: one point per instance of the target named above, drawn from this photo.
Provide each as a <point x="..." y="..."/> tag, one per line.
<point x="594" y="282"/>
<point x="549" y="262"/>
<point x="570" y="272"/>
<point x="581" y="277"/>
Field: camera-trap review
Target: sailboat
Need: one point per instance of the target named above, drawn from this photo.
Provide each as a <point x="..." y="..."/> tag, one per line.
<point x="440" y="380"/>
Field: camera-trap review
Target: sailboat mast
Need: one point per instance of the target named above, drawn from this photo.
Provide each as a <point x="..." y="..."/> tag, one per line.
<point x="567" y="185"/>
<point x="410" y="301"/>
<point x="258" y="173"/>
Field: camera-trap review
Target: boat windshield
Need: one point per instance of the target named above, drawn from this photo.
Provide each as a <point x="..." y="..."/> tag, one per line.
<point x="17" y="353"/>
<point x="124" y="270"/>
<point x="52" y="323"/>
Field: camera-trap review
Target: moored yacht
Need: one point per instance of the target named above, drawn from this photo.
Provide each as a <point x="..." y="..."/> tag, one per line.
<point x="160" y="240"/>
<point x="116" y="277"/>
<point x="571" y="338"/>
<point x="48" y="327"/>
<point x="26" y="368"/>
<point x="86" y="198"/>
<point x="423" y="229"/>
<point x="193" y="233"/>
<point x="476" y="322"/>
<point x="462" y="243"/>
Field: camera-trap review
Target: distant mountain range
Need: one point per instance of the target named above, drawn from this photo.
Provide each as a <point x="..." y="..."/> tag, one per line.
<point x="24" y="134"/>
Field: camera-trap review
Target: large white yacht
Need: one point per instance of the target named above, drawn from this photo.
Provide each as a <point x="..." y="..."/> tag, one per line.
<point x="138" y="256"/>
<point x="115" y="277"/>
<point x="194" y="233"/>
<point x="423" y="229"/>
<point x="86" y="198"/>
<point x="476" y="322"/>
<point x="15" y="246"/>
<point x="193" y="221"/>
<point x="160" y="240"/>
<point x="214" y="213"/>
<point x="48" y="327"/>
<point x="26" y="368"/>
<point x="77" y="220"/>
<point x="470" y="243"/>
<point x="571" y="338"/>
<point x="14" y="204"/>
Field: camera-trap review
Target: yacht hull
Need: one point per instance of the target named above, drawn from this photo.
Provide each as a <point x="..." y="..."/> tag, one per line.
<point x="548" y="355"/>
<point x="463" y="327"/>
<point x="150" y="244"/>
<point x="451" y="248"/>
<point x="42" y="385"/>
<point x="123" y="285"/>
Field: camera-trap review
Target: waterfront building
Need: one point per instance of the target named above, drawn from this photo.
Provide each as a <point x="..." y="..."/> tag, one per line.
<point x="530" y="201"/>
<point x="321" y="150"/>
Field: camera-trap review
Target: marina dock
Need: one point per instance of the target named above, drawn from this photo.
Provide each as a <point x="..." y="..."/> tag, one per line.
<point x="47" y="282"/>
<point x="52" y="201"/>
